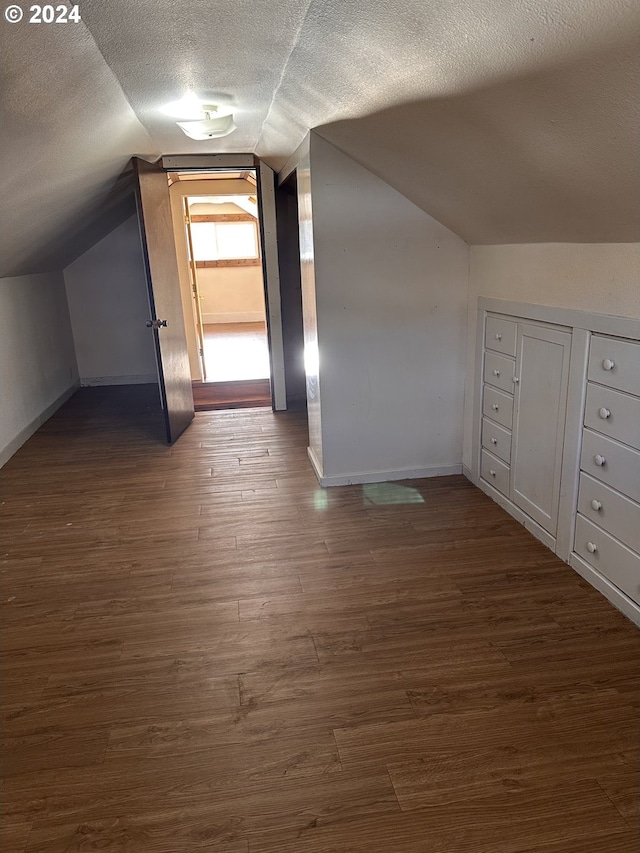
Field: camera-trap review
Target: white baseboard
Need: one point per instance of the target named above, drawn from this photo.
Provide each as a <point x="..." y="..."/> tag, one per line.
<point x="135" y="379"/>
<point x="610" y="592"/>
<point x="235" y="317"/>
<point x="532" y="526"/>
<point x="16" y="443"/>
<point x="528" y="523"/>
<point x="382" y="476"/>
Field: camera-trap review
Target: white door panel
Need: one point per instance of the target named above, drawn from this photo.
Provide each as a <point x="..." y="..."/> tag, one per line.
<point x="542" y="371"/>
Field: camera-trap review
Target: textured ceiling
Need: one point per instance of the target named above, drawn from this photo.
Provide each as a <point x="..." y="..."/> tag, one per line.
<point x="552" y="156"/>
<point x="509" y="122"/>
<point x="67" y="134"/>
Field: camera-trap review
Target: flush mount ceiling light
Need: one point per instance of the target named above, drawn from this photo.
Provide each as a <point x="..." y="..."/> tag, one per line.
<point x="216" y="121"/>
<point x="200" y="120"/>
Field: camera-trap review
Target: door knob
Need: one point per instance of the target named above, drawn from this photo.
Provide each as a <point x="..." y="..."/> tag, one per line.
<point x="498" y="336"/>
<point x="599" y="460"/>
<point x="496" y="373"/>
<point x="494" y="441"/>
<point x="495" y="407"/>
<point x="604" y="413"/>
<point x="596" y="505"/>
<point x="608" y="364"/>
<point x="592" y="547"/>
<point x="492" y="472"/>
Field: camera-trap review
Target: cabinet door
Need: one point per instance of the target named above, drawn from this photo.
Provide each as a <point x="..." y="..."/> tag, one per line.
<point x="542" y="372"/>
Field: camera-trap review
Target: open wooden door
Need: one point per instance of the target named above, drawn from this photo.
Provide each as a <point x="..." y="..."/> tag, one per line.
<point x="167" y="321"/>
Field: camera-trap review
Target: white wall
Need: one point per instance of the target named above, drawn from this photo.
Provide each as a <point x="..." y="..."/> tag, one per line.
<point x="231" y="294"/>
<point x="108" y="304"/>
<point x="309" y="312"/>
<point x="38" y="369"/>
<point x="391" y="300"/>
<point x="599" y="277"/>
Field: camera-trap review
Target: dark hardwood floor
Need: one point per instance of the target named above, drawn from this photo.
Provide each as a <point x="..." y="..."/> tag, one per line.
<point x="204" y="651"/>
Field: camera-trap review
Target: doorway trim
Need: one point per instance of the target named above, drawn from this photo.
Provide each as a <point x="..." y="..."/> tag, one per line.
<point x="203" y="162"/>
<point x="267" y="222"/>
<point x="271" y="271"/>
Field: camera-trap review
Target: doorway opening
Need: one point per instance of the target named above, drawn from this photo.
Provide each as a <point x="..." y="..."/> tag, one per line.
<point x="216" y="224"/>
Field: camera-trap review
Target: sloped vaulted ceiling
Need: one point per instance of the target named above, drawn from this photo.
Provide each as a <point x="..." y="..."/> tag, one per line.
<point x="67" y="134"/>
<point x="508" y="121"/>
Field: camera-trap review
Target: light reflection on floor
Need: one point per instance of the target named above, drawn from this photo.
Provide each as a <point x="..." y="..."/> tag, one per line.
<point x="235" y="351"/>
<point x="390" y="493"/>
<point x="375" y="494"/>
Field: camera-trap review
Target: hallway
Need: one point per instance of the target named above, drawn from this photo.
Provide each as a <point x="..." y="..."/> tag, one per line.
<point x="203" y="650"/>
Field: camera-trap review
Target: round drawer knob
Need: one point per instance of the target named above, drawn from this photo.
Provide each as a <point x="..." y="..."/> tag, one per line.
<point x="495" y="407"/>
<point x="592" y="547"/>
<point x="494" y="441"/>
<point x="608" y="364"/>
<point x="516" y="379"/>
<point x="492" y="472"/>
<point x="596" y="505"/>
<point x="496" y="373"/>
<point x="604" y="413"/>
<point x="498" y="336"/>
<point x="599" y="460"/>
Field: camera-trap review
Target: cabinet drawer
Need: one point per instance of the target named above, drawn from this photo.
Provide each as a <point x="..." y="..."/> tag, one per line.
<point x="499" y="371"/>
<point x="495" y="472"/>
<point x="497" y="439"/>
<point x="612" y="463"/>
<point x="613" y="413"/>
<point x="497" y="406"/>
<point x="615" y="363"/>
<point x="611" y="558"/>
<point x="500" y="335"/>
<point x="610" y="510"/>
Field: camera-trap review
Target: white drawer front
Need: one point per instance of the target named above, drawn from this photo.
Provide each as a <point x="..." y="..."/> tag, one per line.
<point x="610" y="510"/>
<point x="500" y="335"/>
<point x="497" y="439"/>
<point x="495" y="472"/>
<point x="497" y="406"/>
<point x="615" y="363"/>
<point x="499" y="371"/>
<point x="611" y="462"/>
<point x="613" y="413"/>
<point x="611" y="558"/>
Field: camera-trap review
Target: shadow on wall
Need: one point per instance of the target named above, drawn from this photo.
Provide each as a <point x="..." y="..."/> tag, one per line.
<point x="545" y="157"/>
<point x="92" y="224"/>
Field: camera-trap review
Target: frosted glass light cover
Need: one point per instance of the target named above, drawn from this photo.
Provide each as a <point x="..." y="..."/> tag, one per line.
<point x="208" y="128"/>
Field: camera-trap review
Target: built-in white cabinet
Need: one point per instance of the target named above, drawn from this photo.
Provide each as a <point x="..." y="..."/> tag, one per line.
<point x="557" y="435"/>
<point x="525" y="379"/>
<point x="607" y="531"/>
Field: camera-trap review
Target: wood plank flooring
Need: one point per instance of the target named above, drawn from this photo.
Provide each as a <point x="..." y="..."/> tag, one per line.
<point x="239" y="394"/>
<point x="204" y="651"/>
